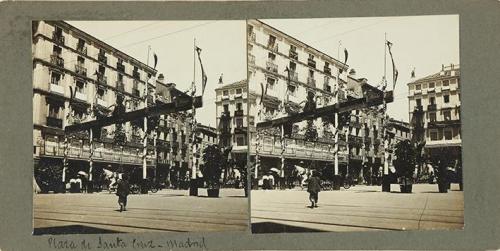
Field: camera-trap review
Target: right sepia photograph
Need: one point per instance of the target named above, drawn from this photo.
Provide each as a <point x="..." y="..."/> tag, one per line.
<point x="354" y="124"/>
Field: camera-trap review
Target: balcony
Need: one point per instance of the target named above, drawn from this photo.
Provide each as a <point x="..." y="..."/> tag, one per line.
<point x="82" y="49"/>
<point x="136" y="75"/>
<point x="56" y="88"/>
<point x="225" y="115"/>
<point x="102" y="102"/>
<point x="101" y="79"/>
<point x="120" y="67"/>
<point x="54" y="122"/>
<point x="272" y="47"/>
<point x="238" y="113"/>
<point x="57" y="60"/>
<point x="431" y="107"/>
<point x="251" y="59"/>
<point x="81" y="96"/>
<point x="355" y="157"/>
<point x="311" y="81"/>
<point x="327" y="70"/>
<point x="58" y="38"/>
<point x="120" y="86"/>
<point x="271" y="66"/>
<point x="80" y="70"/>
<point x="136" y="92"/>
<point x="102" y="58"/>
<point x="294" y="76"/>
<point x="311" y="63"/>
<point x="252" y="36"/>
<point x="293" y="54"/>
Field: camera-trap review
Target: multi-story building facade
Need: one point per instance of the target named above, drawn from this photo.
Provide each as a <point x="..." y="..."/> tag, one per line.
<point x="232" y="122"/>
<point x="283" y="72"/>
<point x="66" y="60"/>
<point x="434" y="111"/>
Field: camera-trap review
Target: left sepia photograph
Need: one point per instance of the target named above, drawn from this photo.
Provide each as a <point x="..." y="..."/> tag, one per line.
<point x="139" y="126"/>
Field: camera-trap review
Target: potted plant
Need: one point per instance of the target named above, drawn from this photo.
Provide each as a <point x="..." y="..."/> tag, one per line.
<point x="212" y="169"/>
<point x="405" y="164"/>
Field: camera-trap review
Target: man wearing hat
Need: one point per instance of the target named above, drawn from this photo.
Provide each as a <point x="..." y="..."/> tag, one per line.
<point x="313" y="187"/>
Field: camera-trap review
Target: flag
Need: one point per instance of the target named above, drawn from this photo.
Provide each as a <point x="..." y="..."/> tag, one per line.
<point x="394" y="70"/>
<point x="346" y="54"/>
<point x="203" y="75"/>
<point x="155" y="59"/>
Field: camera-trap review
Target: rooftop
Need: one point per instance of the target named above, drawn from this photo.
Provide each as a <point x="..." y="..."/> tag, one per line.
<point x="444" y="73"/>
<point x="240" y="83"/>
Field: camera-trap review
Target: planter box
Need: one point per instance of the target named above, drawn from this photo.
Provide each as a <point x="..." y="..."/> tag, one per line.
<point x="213" y="193"/>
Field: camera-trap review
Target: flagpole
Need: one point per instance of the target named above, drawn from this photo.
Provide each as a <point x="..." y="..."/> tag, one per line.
<point x="193" y="186"/>
<point x="145" y="140"/>
<point x="385" y="56"/>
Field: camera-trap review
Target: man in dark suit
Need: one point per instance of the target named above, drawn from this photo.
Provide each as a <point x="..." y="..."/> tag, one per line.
<point x="314" y="187"/>
<point x="122" y="191"/>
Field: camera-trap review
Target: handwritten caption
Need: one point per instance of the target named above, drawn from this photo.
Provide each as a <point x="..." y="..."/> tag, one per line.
<point x="119" y="243"/>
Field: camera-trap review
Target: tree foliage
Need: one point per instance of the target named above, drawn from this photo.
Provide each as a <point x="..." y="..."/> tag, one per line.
<point x="405" y="159"/>
<point x="213" y="164"/>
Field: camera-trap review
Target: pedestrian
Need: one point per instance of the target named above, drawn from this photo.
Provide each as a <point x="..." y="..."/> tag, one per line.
<point x="313" y="187"/>
<point x="122" y="191"/>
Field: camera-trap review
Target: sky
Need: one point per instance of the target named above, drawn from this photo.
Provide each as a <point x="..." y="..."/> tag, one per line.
<point x="420" y="42"/>
<point x="223" y="45"/>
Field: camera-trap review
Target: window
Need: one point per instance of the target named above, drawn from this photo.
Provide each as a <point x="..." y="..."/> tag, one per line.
<point x="239" y="122"/>
<point x="102" y="69"/>
<point x="434" y="135"/>
<point x="270" y="82"/>
<point x="311" y="73"/>
<point x="249" y="29"/>
<point x="293" y="66"/>
<point x="446" y="82"/>
<point x="447" y="115"/>
<point x="424" y="86"/>
<point x="419" y="102"/>
<point x="431" y="85"/>
<point x="80" y="60"/>
<point x="432" y="100"/>
<point x="54" y="111"/>
<point x="292" y="89"/>
<point x="81" y="44"/>
<point x="57" y="50"/>
<point x="311" y="57"/>
<point x="432" y="117"/>
<point x="120" y="78"/>
<point x="100" y="93"/>
<point x="271" y="56"/>
<point x="239" y="106"/>
<point x="238" y="91"/>
<point x="271" y="41"/>
<point x="417" y="87"/>
<point x="448" y="135"/>
<point x="80" y="85"/>
<point x="240" y="141"/>
<point x="55" y="77"/>
<point x="446" y="98"/>
<point x="225" y="93"/>
<point x="58" y="31"/>
<point x="226" y="108"/>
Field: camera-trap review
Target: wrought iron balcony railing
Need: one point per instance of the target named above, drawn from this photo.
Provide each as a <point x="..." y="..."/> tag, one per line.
<point x="54" y="122"/>
<point x="80" y="70"/>
<point x="58" y="38"/>
<point x="57" y="60"/>
<point x="271" y="66"/>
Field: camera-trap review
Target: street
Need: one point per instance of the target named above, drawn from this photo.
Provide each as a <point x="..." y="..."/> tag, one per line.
<point x="361" y="208"/>
<point x="165" y="211"/>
